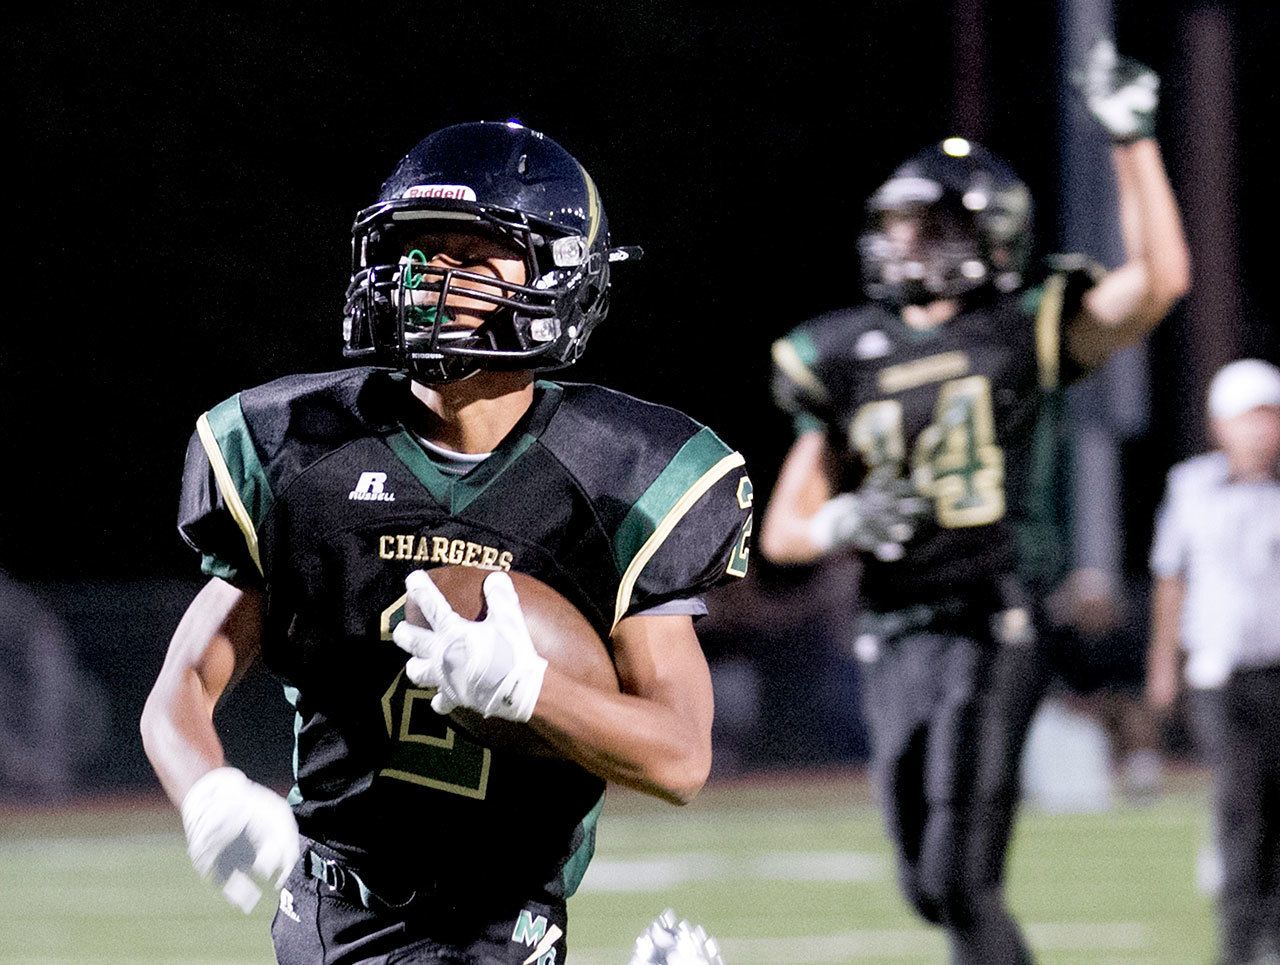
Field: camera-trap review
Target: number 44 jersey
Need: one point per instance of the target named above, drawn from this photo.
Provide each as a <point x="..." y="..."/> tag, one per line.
<point x="312" y="490"/>
<point x="969" y="411"/>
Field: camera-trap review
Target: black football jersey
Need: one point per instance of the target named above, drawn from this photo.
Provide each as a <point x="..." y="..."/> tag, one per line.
<point x="970" y="411"/>
<point x="312" y="489"/>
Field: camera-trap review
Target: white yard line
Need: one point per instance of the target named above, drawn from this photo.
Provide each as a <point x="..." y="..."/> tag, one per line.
<point x="904" y="944"/>
<point x="660" y="872"/>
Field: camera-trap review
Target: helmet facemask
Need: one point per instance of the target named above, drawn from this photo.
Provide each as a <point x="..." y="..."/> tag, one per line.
<point x="969" y="221"/>
<point x="918" y="253"/>
<point x="398" y="300"/>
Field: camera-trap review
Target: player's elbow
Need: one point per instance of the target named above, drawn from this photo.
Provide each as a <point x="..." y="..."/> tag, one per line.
<point x="1179" y="282"/>
<point x="682" y="787"/>
<point x="159" y="722"/>
<point x="150" y="724"/>
<point x="679" y="777"/>
<point x="154" y="722"/>
<point x="1170" y="285"/>
<point x="1168" y="282"/>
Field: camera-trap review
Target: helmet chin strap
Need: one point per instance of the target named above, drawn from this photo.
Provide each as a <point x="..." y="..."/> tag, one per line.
<point x="442" y="371"/>
<point x="452" y="368"/>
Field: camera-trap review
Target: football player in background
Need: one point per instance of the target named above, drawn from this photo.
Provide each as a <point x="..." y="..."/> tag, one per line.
<point x="924" y="419"/>
<point x="313" y="499"/>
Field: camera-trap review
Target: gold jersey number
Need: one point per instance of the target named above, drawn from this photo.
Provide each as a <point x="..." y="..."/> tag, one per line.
<point x="426" y="750"/>
<point x="955" y="461"/>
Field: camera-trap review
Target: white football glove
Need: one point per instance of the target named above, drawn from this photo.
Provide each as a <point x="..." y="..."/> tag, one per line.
<point x="880" y="517"/>
<point x="488" y="665"/>
<point x="671" y="942"/>
<point x="236" y="827"/>
<point x="1121" y="93"/>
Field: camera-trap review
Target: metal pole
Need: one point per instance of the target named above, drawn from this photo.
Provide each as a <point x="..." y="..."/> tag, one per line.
<point x="1214" y="327"/>
<point x="1112" y="403"/>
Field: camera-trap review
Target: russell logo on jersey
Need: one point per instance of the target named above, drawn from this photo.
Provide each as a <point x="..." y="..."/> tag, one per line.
<point x="372" y="486"/>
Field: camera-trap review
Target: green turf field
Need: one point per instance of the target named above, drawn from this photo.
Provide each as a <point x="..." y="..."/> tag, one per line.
<point x="790" y="872"/>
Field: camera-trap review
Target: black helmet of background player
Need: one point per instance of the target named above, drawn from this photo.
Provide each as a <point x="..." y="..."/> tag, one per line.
<point x="951" y="221"/>
<point x="496" y="178"/>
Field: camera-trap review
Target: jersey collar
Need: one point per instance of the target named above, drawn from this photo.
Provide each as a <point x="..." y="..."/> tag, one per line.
<point x="456" y="493"/>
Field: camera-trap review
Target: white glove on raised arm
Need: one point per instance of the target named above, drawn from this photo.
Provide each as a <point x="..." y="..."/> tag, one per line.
<point x="234" y="828"/>
<point x="1121" y="93"/>
<point x="488" y="665"/>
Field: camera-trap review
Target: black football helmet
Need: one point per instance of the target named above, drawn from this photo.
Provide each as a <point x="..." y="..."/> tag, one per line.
<point x="952" y="220"/>
<point x="505" y="181"/>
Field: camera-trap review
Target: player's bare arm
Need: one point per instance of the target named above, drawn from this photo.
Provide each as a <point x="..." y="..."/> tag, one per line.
<point x="804" y="486"/>
<point x="806" y="520"/>
<point x="215" y="643"/>
<point x="1130" y="300"/>
<point x="1163" y="655"/>
<point x="235" y="828"/>
<point x="654" y="736"/>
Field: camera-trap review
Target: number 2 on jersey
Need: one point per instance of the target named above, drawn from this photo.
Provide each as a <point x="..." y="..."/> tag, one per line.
<point x="955" y="461"/>
<point x="427" y="751"/>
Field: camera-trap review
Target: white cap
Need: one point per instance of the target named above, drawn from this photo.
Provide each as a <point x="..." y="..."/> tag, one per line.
<point x="1243" y="385"/>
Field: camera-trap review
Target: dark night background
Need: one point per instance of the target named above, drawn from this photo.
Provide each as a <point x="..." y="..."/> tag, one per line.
<point x="183" y="180"/>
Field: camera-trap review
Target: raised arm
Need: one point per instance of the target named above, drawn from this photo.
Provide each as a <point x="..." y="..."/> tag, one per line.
<point x="1130" y="300"/>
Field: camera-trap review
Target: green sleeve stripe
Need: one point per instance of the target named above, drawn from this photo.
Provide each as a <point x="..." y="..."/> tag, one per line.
<point x="804" y="347"/>
<point x="211" y="565"/>
<point x="804" y="422"/>
<point x="695" y="457"/>
<point x="794" y="356"/>
<point x="701" y="462"/>
<point x="576" y="866"/>
<point x="236" y="468"/>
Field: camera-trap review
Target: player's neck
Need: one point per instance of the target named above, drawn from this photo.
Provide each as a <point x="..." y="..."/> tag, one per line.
<point x="476" y="414"/>
<point x="924" y="317"/>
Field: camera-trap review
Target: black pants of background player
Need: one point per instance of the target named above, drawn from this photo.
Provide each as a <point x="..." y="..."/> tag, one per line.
<point x="949" y="715"/>
<point x="341" y="915"/>
<point x="1247" y="801"/>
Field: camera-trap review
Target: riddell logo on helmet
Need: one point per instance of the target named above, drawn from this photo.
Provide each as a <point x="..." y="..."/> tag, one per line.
<point x="457" y="192"/>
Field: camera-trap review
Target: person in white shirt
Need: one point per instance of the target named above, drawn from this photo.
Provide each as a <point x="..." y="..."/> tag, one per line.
<point x="1216" y="562"/>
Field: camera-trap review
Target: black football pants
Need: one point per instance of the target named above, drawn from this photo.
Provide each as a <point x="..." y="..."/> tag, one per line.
<point x="948" y="717"/>
<point x="317" y="924"/>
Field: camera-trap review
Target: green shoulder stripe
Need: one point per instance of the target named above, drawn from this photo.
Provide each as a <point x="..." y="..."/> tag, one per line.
<point x="700" y="463"/>
<point x="236" y="468"/>
<point x="794" y="356"/>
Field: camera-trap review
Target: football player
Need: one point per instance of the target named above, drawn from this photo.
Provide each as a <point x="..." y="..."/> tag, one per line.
<point x="924" y="418"/>
<point x="320" y="502"/>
